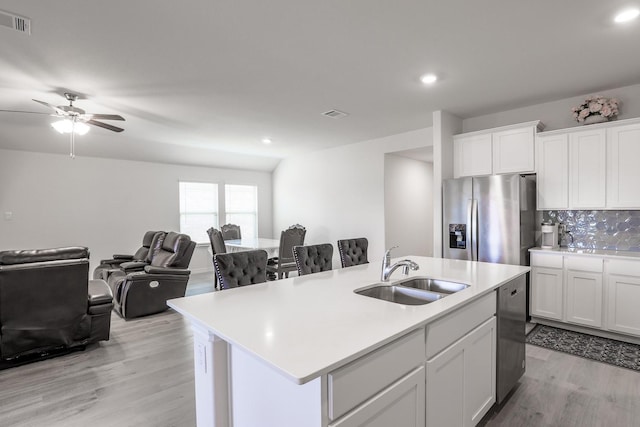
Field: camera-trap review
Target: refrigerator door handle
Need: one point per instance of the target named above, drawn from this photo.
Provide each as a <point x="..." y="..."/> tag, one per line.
<point x="474" y="229"/>
<point x="469" y="232"/>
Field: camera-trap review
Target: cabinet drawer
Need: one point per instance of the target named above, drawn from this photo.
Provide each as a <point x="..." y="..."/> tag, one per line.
<point x="594" y="265"/>
<point x="356" y="382"/>
<point x="400" y="405"/>
<point x="624" y="267"/>
<point x="546" y="260"/>
<point x="442" y="333"/>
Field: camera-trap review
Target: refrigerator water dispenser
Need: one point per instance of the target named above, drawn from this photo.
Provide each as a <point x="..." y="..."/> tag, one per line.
<point x="458" y="236"/>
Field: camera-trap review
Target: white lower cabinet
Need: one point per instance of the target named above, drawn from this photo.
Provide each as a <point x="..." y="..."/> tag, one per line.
<point x="461" y="379"/>
<point x="546" y="292"/>
<point x="547" y="285"/>
<point x="598" y="292"/>
<point x="584" y="298"/>
<point x="622" y="287"/>
<point x="400" y="405"/>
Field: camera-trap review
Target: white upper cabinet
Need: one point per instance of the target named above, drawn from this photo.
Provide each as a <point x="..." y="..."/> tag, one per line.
<point x="591" y="167"/>
<point x="508" y="149"/>
<point x="513" y="150"/>
<point x="472" y="155"/>
<point x="552" y="154"/>
<point x="623" y="170"/>
<point x="587" y="165"/>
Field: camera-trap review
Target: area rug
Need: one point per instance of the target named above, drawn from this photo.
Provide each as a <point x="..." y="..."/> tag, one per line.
<point x="604" y="350"/>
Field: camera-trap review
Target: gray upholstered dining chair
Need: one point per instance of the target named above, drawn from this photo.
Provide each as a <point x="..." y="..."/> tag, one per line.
<point x="353" y="251"/>
<point x="241" y="268"/>
<point x="313" y="258"/>
<point x="284" y="262"/>
<point x="231" y="232"/>
<point x="217" y="247"/>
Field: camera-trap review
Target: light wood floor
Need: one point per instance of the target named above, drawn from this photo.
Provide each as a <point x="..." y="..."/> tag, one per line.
<point x="143" y="377"/>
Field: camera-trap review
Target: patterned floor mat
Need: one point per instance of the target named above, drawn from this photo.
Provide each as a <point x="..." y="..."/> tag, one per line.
<point x="604" y="350"/>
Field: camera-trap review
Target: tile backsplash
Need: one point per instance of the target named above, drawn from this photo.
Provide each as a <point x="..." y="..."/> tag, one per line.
<point x="612" y="230"/>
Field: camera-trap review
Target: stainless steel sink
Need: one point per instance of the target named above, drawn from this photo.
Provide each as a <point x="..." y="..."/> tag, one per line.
<point x="432" y="285"/>
<point x="400" y="295"/>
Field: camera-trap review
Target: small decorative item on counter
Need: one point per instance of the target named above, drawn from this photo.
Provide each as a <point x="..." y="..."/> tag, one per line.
<point x="596" y="109"/>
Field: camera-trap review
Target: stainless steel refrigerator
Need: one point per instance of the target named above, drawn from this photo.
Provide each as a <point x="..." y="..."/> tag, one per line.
<point x="492" y="219"/>
<point x="489" y="218"/>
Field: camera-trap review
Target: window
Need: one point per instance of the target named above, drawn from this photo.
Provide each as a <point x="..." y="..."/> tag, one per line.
<point x="241" y="202"/>
<point x="198" y="209"/>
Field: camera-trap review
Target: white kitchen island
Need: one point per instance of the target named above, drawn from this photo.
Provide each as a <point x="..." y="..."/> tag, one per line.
<point x="308" y="351"/>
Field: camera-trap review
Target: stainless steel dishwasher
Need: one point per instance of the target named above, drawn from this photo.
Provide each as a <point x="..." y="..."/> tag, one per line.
<point x="511" y="318"/>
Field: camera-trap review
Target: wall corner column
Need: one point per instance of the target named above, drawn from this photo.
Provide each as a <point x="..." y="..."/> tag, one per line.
<point x="445" y="125"/>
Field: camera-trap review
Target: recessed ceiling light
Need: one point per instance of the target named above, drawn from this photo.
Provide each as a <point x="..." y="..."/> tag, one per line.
<point x="428" y="78"/>
<point x="266" y="140"/>
<point x="626" y="15"/>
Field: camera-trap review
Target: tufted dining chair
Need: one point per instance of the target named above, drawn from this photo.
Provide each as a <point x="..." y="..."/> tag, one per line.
<point x="241" y="268"/>
<point x="217" y="247"/>
<point x="353" y="251"/>
<point x="313" y="258"/>
<point x="284" y="262"/>
<point x="231" y="232"/>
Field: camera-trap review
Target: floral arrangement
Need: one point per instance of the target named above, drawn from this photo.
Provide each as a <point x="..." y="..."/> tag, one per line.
<point x="596" y="105"/>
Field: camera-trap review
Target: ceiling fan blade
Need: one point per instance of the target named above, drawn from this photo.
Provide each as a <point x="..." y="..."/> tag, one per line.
<point x="57" y="110"/>
<point x="28" y="112"/>
<point x="104" y="125"/>
<point x="106" y="116"/>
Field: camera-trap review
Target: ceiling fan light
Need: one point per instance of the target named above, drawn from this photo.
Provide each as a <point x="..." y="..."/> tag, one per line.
<point x="63" y="126"/>
<point x="80" y="128"/>
<point x="68" y="126"/>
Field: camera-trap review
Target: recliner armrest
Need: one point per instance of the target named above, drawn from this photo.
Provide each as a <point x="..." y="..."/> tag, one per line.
<point x="133" y="266"/>
<point x="166" y="270"/>
<point x="123" y="257"/>
<point x="99" y="293"/>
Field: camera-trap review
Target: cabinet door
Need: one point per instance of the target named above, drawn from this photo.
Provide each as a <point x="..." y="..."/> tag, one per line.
<point x="461" y="380"/>
<point x="400" y="405"/>
<point x="623" y="294"/>
<point x="546" y="292"/>
<point x="588" y="169"/>
<point x="480" y="372"/>
<point x="513" y="150"/>
<point x="584" y="298"/>
<point x="472" y="155"/>
<point x="623" y="173"/>
<point x="552" y="165"/>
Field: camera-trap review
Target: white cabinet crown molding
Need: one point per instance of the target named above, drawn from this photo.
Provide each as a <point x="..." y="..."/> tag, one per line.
<point x="537" y="123"/>
<point x="581" y="128"/>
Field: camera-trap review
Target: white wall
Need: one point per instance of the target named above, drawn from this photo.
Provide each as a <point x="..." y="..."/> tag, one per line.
<point x="557" y="114"/>
<point x="103" y="204"/>
<point x="408" y="205"/>
<point x="339" y="192"/>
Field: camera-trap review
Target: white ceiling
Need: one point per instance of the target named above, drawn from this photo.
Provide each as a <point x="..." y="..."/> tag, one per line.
<point x="202" y="82"/>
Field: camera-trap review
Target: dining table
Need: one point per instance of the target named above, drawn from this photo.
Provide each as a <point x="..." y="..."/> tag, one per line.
<point x="250" y="243"/>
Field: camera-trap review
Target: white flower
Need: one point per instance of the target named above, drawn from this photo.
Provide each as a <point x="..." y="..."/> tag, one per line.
<point x="594" y="107"/>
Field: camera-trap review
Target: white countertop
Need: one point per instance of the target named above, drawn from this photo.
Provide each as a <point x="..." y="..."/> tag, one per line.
<point x="590" y="252"/>
<point x="307" y="326"/>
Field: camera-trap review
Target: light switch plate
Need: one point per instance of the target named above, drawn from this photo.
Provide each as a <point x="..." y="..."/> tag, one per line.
<point x="8" y="215"/>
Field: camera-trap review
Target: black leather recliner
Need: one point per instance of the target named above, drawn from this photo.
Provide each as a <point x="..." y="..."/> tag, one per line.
<point x="143" y="254"/>
<point x="48" y="305"/>
<point x="146" y="291"/>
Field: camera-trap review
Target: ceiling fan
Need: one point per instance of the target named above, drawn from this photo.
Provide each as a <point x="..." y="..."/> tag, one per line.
<point x="74" y="120"/>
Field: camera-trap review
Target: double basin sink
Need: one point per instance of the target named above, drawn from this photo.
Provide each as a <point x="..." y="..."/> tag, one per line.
<point x="417" y="290"/>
